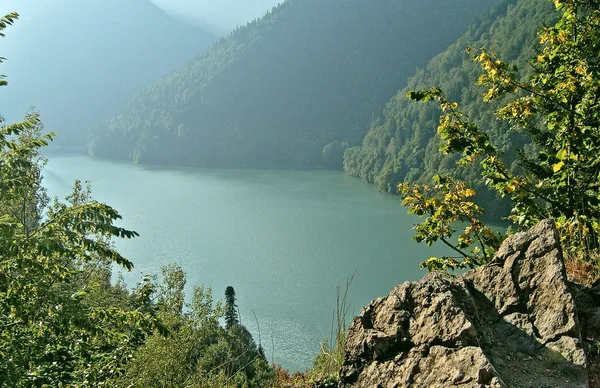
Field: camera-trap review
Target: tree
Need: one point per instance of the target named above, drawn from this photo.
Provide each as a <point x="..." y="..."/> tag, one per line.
<point x="198" y="352"/>
<point x="62" y="322"/>
<point x="445" y="204"/>
<point x="173" y="360"/>
<point x="231" y="315"/>
<point x="51" y="332"/>
<point x="558" y="108"/>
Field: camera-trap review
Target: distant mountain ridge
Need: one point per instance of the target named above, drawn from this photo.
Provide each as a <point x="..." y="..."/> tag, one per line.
<point x="291" y="89"/>
<point x="96" y="55"/>
<point x="401" y="144"/>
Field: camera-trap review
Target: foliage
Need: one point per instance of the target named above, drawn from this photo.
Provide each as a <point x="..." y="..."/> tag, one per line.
<point x="62" y="321"/>
<point x="50" y="333"/>
<point x="557" y="107"/>
<point x="6" y="21"/>
<point x="286" y="90"/>
<point x="198" y="352"/>
<point x="447" y="204"/>
<point x="283" y="379"/>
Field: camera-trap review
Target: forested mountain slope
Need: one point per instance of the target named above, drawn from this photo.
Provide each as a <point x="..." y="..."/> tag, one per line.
<point x="78" y="62"/>
<point x="401" y="143"/>
<point x="283" y="89"/>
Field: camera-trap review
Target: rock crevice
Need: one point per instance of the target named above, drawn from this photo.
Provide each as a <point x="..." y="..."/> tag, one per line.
<point x="512" y="323"/>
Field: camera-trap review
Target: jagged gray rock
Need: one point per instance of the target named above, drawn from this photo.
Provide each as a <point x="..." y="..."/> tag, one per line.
<point x="511" y="323"/>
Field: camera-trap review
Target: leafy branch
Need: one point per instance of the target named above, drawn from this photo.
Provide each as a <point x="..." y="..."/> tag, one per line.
<point x="557" y="107"/>
<point x="444" y="205"/>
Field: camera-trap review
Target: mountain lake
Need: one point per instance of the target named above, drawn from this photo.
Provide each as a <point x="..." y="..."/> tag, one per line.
<point x="285" y="240"/>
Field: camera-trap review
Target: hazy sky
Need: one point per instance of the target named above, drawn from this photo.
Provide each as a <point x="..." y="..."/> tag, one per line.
<point x="223" y="15"/>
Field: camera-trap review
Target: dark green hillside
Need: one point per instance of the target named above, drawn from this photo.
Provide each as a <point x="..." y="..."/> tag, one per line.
<point x="78" y="62"/>
<point x="279" y="91"/>
<point x="401" y="145"/>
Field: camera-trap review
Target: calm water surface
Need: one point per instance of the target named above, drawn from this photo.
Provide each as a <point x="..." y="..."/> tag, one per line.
<point x="283" y="239"/>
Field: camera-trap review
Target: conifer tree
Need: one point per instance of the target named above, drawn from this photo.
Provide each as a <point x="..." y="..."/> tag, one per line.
<point x="231" y="315"/>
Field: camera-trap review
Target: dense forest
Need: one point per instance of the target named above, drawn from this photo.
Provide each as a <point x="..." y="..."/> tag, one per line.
<point x="291" y="89"/>
<point x="401" y="144"/>
<point x="96" y="55"/>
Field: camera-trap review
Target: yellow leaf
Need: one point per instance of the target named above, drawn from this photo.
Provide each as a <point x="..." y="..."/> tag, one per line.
<point x="556" y="167"/>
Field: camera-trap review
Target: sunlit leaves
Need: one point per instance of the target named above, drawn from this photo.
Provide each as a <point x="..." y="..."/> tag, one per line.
<point x="198" y="351"/>
<point x="558" y="107"/>
<point x="444" y="205"/>
<point x="6" y="21"/>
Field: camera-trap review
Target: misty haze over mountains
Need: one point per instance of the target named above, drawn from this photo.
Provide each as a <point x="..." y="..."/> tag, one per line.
<point x="292" y="89"/>
<point x="79" y="62"/>
<point x="221" y="16"/>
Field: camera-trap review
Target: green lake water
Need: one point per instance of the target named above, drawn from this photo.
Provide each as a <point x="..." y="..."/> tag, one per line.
<point x="283" y="239"/>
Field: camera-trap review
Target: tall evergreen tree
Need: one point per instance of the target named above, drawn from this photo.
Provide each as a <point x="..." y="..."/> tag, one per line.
<point x="231" y="316"/>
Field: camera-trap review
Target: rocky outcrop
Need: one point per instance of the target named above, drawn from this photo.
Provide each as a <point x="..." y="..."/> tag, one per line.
<point x="515" y="322"/>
